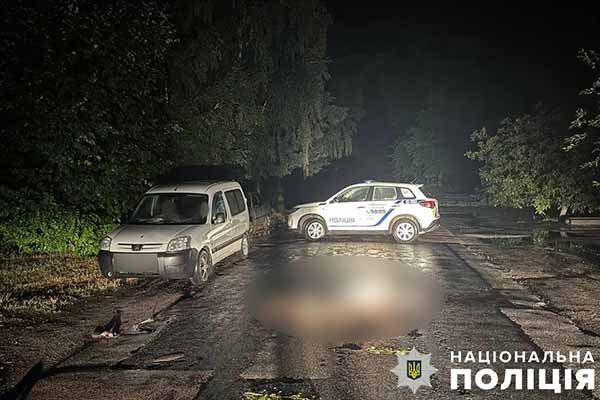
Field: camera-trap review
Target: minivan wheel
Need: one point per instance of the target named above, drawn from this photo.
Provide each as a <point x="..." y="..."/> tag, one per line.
<point x="314" y="229"/>
<point x="203" y="269"/>
<point x="405" y="231"/>
<point x="245" y="248"/>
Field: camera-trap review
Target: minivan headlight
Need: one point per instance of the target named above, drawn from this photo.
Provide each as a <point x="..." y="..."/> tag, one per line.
<point x="180" y="243"/>
<point x="105" y="244"/>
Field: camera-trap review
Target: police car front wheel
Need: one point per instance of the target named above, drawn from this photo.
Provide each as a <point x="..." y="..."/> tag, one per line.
<point x="314" y="229"/>
<point x="405" y="231"/>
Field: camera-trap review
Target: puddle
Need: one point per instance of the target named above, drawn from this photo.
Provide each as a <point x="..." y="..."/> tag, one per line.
<point x="585" y="245"/>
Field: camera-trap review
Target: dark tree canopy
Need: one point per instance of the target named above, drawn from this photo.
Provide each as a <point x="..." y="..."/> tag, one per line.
<point x="101" y="97"/>
<point x="248" y="87"/>
<point x="83" y="109"/>
<point x="523" y="164"/>
<point x="587" y="120"/>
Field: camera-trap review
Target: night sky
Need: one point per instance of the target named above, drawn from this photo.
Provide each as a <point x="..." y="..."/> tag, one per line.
<point x="484" y="64"/>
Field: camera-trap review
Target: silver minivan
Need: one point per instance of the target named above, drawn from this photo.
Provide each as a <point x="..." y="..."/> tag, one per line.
<point x="179" y="231"/>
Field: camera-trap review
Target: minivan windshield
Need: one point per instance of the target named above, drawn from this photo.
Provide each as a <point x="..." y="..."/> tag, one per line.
<point x="171" y="208"/>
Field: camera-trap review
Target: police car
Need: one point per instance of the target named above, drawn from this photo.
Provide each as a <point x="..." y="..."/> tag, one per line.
<point x="398" y="209"/>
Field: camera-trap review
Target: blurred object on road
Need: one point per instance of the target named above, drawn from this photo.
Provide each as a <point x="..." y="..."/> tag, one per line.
<point x="345" y="298"/>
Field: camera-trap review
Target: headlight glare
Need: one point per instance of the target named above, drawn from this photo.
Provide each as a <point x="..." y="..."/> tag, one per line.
<point x="180" y="243"/>
<point x="105" y="244"/>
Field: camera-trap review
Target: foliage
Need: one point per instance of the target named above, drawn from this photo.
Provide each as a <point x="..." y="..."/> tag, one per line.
<point x="523" y="164"/>
<point x="100" y="98"/>
<point x="248" y="87"/>
<point x="47" y="228"/>
<point x="421" y="154"/>
<point x="83" y="107"/>
<point x="587" y="122"/>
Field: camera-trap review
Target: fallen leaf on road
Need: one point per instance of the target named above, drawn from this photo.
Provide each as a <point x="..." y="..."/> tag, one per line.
<point x="169" y="358"/>
<point x="385" y="350"/>
<point x="271" y="396"/>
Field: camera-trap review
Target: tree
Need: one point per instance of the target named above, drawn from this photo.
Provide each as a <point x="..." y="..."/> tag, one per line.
<point x="248" y="87"/>
<point x="419" y="155"/>
<point x="523" y="165"/>
<point x="587" y="122"/>
<point x="83" y="108"/>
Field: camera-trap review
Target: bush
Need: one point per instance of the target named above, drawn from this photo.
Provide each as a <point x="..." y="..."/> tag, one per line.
<point x="32" y="223"/>
<point x="53" y="232"/>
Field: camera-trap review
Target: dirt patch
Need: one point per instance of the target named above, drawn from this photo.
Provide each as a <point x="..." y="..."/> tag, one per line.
<point x="33" y="287"/>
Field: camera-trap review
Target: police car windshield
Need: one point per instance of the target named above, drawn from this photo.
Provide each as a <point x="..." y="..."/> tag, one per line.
<point x="171" y="209"/>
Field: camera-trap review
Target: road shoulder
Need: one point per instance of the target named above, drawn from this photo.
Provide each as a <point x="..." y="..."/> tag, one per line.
<point x="46" y="344"/>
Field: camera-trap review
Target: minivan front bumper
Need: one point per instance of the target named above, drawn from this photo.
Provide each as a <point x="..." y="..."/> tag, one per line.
<point x="177" y="265"/>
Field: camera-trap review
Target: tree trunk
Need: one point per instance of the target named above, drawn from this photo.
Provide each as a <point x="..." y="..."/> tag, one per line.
<point x="563" y="211"/>
<point x="280" y="200"/>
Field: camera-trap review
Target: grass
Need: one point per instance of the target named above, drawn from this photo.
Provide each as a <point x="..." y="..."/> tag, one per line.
<point x="43" y="285"/>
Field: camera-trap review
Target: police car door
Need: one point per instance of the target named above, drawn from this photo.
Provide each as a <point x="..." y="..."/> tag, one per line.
<point x="381" y="207"/>
<point x="348" y="211"/>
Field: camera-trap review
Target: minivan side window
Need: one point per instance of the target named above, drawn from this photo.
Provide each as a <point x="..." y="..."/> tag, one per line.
<point x="236" y="201"/>
<point x="218" y="205"/>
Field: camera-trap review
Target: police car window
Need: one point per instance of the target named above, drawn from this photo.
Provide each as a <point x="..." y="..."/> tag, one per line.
<point x="354" y="194"/>
<point x="218" y="205"/>
<point x="406" y="193"/>
<point x="384" y="193"/>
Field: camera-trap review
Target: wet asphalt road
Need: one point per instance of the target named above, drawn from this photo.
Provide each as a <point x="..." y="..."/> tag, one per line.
<point x="216" y="333"/>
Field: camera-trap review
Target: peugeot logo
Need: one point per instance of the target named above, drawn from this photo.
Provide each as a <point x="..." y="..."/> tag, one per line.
<point x="136" y="247"/>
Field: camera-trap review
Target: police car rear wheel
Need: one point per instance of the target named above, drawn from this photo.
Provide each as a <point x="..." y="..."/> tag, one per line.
<point x="405" y="231"/>
<point x="314" y="229"/>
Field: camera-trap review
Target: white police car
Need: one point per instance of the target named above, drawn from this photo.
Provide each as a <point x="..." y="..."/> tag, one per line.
<point x="398" y="209"/>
